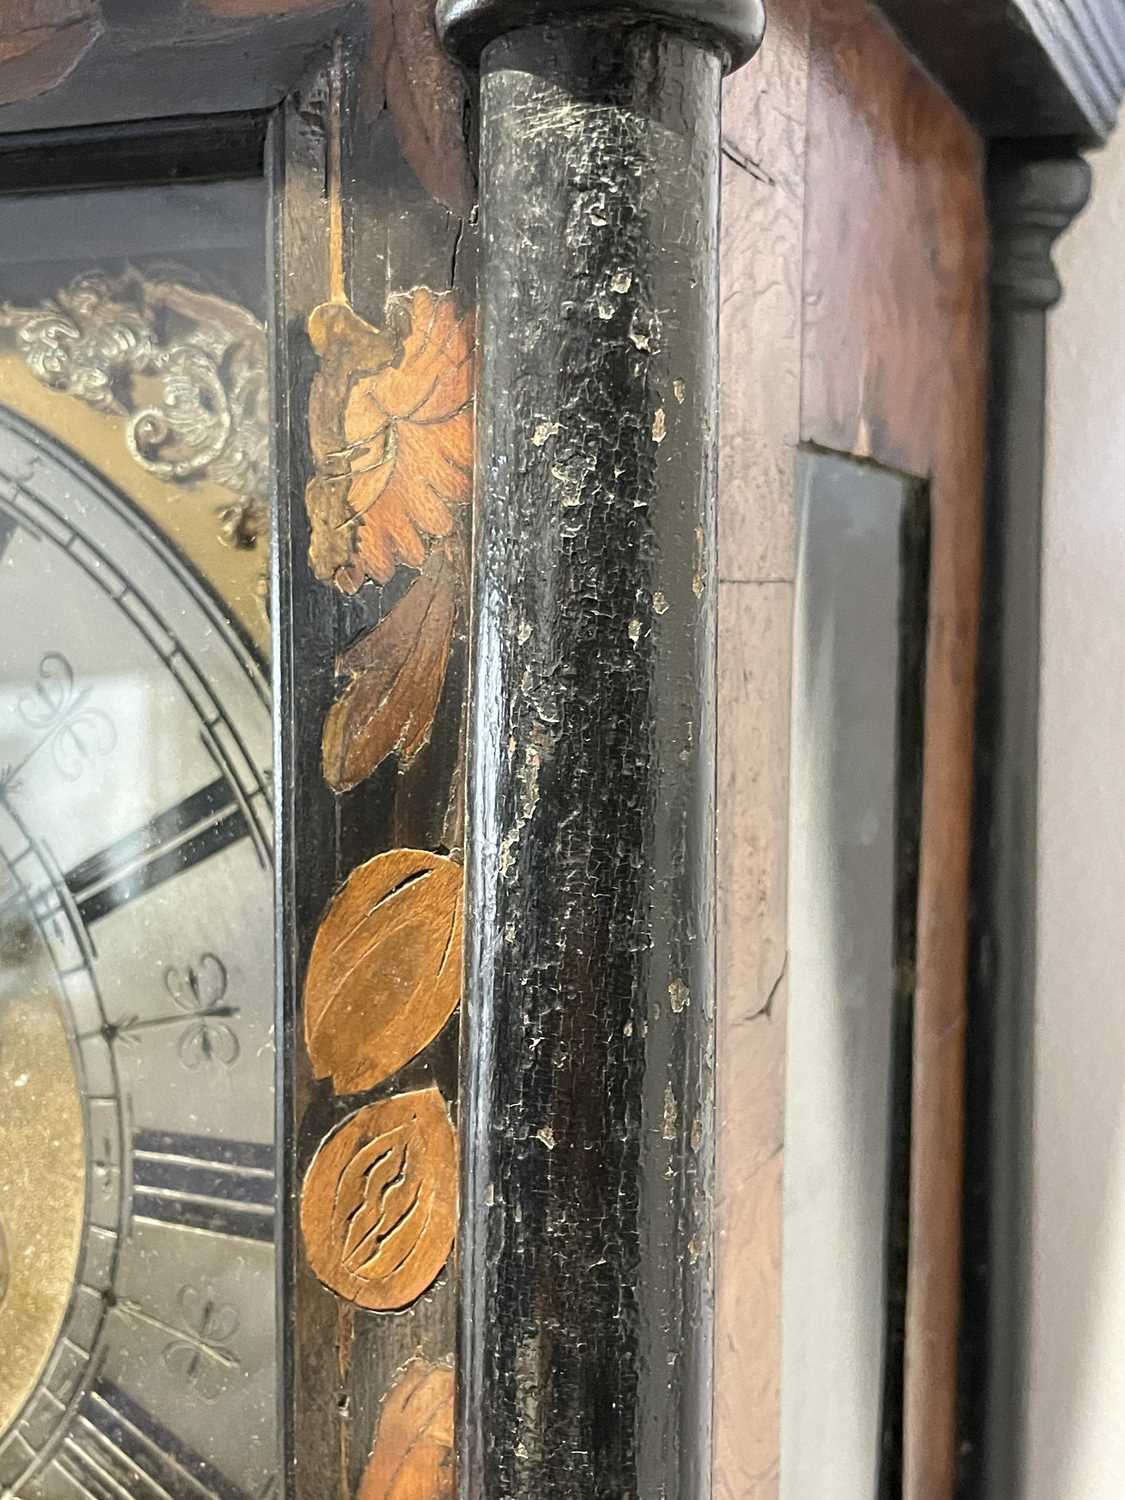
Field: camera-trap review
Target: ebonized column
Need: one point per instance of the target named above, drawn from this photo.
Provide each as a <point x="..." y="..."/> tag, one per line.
<point x="588" y="1071"/>
<point x="1033" y="198"/>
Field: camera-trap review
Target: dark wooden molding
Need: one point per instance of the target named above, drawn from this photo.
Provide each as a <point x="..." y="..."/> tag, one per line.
<point x="1018" y="68"/>
<point x="136" y="154"/>
<point x="1033" y="198"/>
<point x="733" y="26"/>
<point x="156" y="61"/>
<point x="1021" y="68"/>
<point x="587" y="1079"/>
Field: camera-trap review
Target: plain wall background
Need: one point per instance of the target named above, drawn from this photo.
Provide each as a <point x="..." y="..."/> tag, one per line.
<point x="1077" y="1395"/>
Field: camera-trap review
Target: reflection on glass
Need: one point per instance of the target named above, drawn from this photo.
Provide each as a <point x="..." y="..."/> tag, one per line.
<point x="136" y="929"/>
<point x="859" y="621"/>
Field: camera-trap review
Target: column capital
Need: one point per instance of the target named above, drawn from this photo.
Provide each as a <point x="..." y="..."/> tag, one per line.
<point x="1032" y="200"/>
<point x="733" y="28"/>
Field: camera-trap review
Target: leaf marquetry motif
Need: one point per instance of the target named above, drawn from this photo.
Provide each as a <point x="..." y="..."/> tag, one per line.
<point x="391" y="428"/>
<point x="396" y="675"/>
<point x="412" y="1457"/>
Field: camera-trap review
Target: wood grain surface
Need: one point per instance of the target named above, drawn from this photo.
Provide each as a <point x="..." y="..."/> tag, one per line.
<point x="844" y="160"/>
<point x="760" y="352"/>
<point x="894" y="370"/>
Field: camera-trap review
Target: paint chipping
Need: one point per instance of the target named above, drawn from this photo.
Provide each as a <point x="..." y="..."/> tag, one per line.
<point x="671" y="1114"/>
<point x="659" y="426"/>
<point x="622" y="282"/>
<point x="634" y="631"/>
<point x="524" y="633"/>
<point x="679" y="995"/>
<point x="679" y="390"/>
<point x="606" y="310"/>
<point x="547" y="1136"/>
<point x="544" y="432"/>
<point x="573" y="481"/>
<point x="660" y="603"/>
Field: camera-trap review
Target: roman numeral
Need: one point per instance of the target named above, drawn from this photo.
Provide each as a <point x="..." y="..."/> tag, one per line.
<point x="195" y="1182"/>
<point x="8" y="528"/>
<point x="201" y="825"/>
<point x="117" y="1451"/>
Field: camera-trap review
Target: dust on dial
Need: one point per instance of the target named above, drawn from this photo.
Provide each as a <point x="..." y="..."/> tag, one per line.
<point x="136" y="1009"/>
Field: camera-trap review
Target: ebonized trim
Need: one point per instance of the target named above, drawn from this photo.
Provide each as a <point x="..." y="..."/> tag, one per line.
<point x="136" y="154"/>
<point x="732" y="27"/>
<point x="1033" y="197"/>
<point x="1022" y="68"/>
<point x="587" y="1104"/>
<point x="1019" y="68"/>
<point x="158" y="59"/>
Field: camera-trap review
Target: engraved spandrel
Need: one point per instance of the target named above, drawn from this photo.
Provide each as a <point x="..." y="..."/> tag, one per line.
<point x="185" y="369"/>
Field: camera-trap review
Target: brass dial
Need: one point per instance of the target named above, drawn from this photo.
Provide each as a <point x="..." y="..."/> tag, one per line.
<point x="42" y="1159"/>
<point x="136" y="936"/>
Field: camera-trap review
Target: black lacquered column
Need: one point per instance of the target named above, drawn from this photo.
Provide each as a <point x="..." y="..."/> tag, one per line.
<point x="587" y="1096"/>
<point x="1033" y="199"/>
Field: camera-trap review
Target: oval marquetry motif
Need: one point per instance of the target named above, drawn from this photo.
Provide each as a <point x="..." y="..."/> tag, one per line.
<point x="412" y="1457"/>
<point x="385" y="970"/>
<point x="379" y="1205"/>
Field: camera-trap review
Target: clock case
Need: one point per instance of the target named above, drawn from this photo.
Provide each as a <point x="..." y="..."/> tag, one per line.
<point x="136" y="93"/>
<point x="310" y="87"/>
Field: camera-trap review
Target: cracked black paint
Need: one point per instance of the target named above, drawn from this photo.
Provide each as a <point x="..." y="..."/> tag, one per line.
<point x="587" y="1091"/>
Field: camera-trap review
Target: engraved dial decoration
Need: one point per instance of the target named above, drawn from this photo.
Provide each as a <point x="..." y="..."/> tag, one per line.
<point x="136" y="1008"/>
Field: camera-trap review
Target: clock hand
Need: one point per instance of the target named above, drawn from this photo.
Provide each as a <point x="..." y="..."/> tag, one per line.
<point x="114" y="1031"/>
